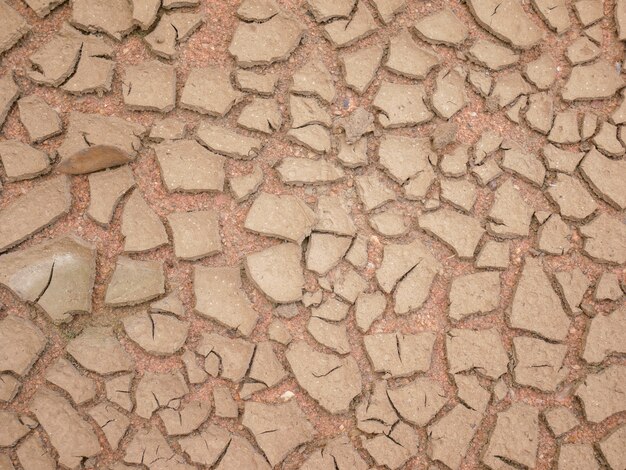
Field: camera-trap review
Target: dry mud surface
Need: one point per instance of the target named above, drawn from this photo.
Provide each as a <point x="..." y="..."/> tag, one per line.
<point x="317" y="234"/>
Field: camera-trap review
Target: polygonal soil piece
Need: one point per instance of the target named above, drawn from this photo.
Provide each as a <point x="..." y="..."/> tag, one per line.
<point x="253" y="82"/>
<point x="510" y="215"/>
<point x="449" y="96"/>
<point x="612" y="447"/>
<point x="606" y="336"/>
<point x="451" y="435"/>
<point x="358" y="255"/>
<point x="9" y="93"/>
<point x="508" y="21"/>
<point x="514" y="113"/>
<point x="401" y="105"/>
<point x="12" y="26"/>
<point x="307" y="110"/>
<point x="71" y="436"/>
<point x="407" y="58"/>
<point x="324" y="10"/>
<point x="345" y="32"/>
<point x="573" y="285"/>
<point x="606" y="176"/>
<point x="94" y="130"/>
<point x="244" y="186"/>
<point x="219" y="296"/>
<point x="113" y="423"/>
<point x="605" y="239"/>
<point x="333" y="217"/>
<point x="294" y="170"/>
<point x="176" y="157"/>
<point x="277" y="272"/>
<point x="313" y="79"/>
<point x="360" y="66"/>
<point x="332" y="309"/>
<point x="12" y="429"/>
<point x="94" y="74"/>
<point x="400" y="355"/>
<point x="196" y="234"/>
<point x="39" y="118"/>
<point x="536" y="307"/>
<point x="539" y="364"/>
<point x="278" y="429"/>
<point x="481" y="81"/>
<point x="492" y="55"/>
<point x="325" y="251"/>
<point x="314" y="137"/>
<point x="150" y="86"/>
<point x="404" y="157"/>
<point x="186" y="420"/>
<point x="349" y="285"/>
<point x="265" y="43"/>
<point x="565" y="128"/>
<point x="266" y="371"/>
<point x="582" y="50"/>
<point x="460" y="232"/>
<point x="21" y="161"/>
<point x="419" y="401"/>
<point x="331" y="381"/>
<point x="278" y="331"/>
<point x="526" y="165"/>
<point x="442" y="27"/>
<point x="389" y="223"/>
<point x="560" y="420"/>
<point x="454" y="163"/>
<point x="118" y="391"/>
<point x="145" y="12"/>
<point x="262" y="115"/>
<point x="57" y="274"/>
<point x="33" y="455"/>
<point x="395" y="450"/>
<point x="172" y="29"/>
<point x="471" y="393"/>
<point x="573" y="199"/>
<point x="372" y="191"/>
<point x="114" y="18"/>
<point x="106" y="189"/>
<point x="9" y="385"/>
<point x="356" y="124"/>
<point x="332" y="335"/>
<point x="41" y="206"/>
<point x="63" y="374"/>
<point x="494" y="255"/>
<point x="509" y="87"/>
<point x="578" y="456"/>
<point x="141" y="227"/>
<point x="399" y="259"/>
<point x="98" y="350"/>
<point x="338" y="454"/>
<point x="607" y="142"/>
<point x="458" y="192"/>
<point x="595" y="81"/>
<point x="487" y="144"/>
<point x="540" y="112"/>
<point x="589" y="11"/>
<point x="225" y="404"/>
<point x="208" y="90"/>
<point x="195" y="373"/>
<point x="286" y="217"/>
<point x="480" y="350"/>
<point x="156" y="333"/>
<point x="515" y="438"/>
<point x="375" y="414"/>
<point x="555" y="13"/>
<point x="227" y="142"/>
<point x="134" y="282"/>
<point x="233" y="355"/>
<point x="608" y="287"/>
<point x="560" y="160"/>
<point x="149" y="447"/>
<point x="156" y="390"/>
<point x="368" y="308"/>
<point x="602" y="393"/>
<point x="207" y="447"/>
<point x="55" y="61"/>
<point x="474" y="293"/>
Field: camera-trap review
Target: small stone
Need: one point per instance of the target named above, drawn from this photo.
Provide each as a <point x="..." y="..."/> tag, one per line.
<point x="134" y="282"/>
<point x="150" y="86"/>
<point x="141" y="226"/>
<point x="345" y="32"/>
<point x="360" y="66"/>
<point x="277" y="272"/>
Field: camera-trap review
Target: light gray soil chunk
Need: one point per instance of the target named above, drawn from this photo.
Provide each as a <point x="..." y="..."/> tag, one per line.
<point x="536" y="307"/>
<point x="602" y="393"/>
<point x="606" y="176"/>
<point x="349" y="285"/>
<point x="526" y="165"/>
<point x="106" y="189"/>
<point x="612" y="447"/>
<point x="134" y="282"/>
<point x="21" y="161"/>
<point x="454" y="163"/>
<point x="605" y="239"/>
<point x="145" y="12"/>
<point x="608" y="287"/>
<point x="599" y="80"/>
<point x="474" y="293"/>
<point x="98" y="350"/>
<point x="372" y="191"/>
<point x="395" y="450"/>
<point x="262" y="115"/>
<point x="225" y="404"/>
<point x="554" y="236"/>
<point x="515" y="438"/>
<point x="607" y="142"/>
<point x="313" y="79"/>
<point x="141" y="226"/>
<point x="9" y="92"/>
<point x="494" y="255"/>
<point x="172" y="29"/>
<point x="404" y="157"/>
<point x="150" y="86"/>
<point x="510" y="215"/>
<point x="325" y="251"/>
<point x="442" y="27"/>
<point x="253" y="82"/>
<point x="157" y="334"/>
<point x="195" y="373"/>
<point x="187" y="419"/>
<point x="508" y="21"/>
<point x="375" y="414"/>
<point x="21" y="343"/>
<point x="293" y="170"/>
<point x="71" y="436"/>
<point x="332" y="335"/>
<point x="360" y="66"/>
<point x="399" y="259"/>
<point x="458" y="192"/>
<point x="492" y="55"/>
<point x="227" y="142"/>
<point x="606" y="335"/>
<point x="407" y="58"/>
<point x="244" y="186"/>
<point x="265" y="43"/>
<point x="196" y="234"/>
<point x="175" y="158"/>
<point x="388" y="9"/>
<point x="508" y="88"/>
<point x="148" y="447"/>
<point x="400" y="355"/>
<point x="344" y="32"/>
<point x="39" y="118"/>
<point x="573" y="199"/>
<point x="390" y="223"/>
<point x="34" y="210"/>
<point x="118" y="391"/>
<point x="12" y="27"/>
<point x="156" y="390"/>
<point x="582" y="50"/>
<point x="460" y="232"/>
<point x="113" y="423"/>
<point x="277" y="272"/>
<point x="368" y="309"/>
<point x="480" y="350"/>
<point x="451" y="435"/>
<point x="565" y="128"/>
<point x="471" y="393"/>
<point x="331" y="381"/>
<point x="58" y="275"/>
<point x="265" y="372"/>
<point x="401" y="105"/>
<point x="219" y="295"/>
<point x="12" y="429"/>
<point x="63" y="374"/>
<point x="9" y="386"/>
<point x="560" y="160"/>
<point x="540" y="112"/>
<point x="114" y="17"/>
<point x="209" y="91"/>
<point x="33" y="455"/>
<point x="539" y="364"/>
<point x="333" y="217"/>
<point x="314" y="137"/>
<point x="278" y="429"/>
<point x="332" y="309"/>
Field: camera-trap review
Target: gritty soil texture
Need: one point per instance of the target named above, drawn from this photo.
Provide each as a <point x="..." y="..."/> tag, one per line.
<point x="312" y="234"/>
